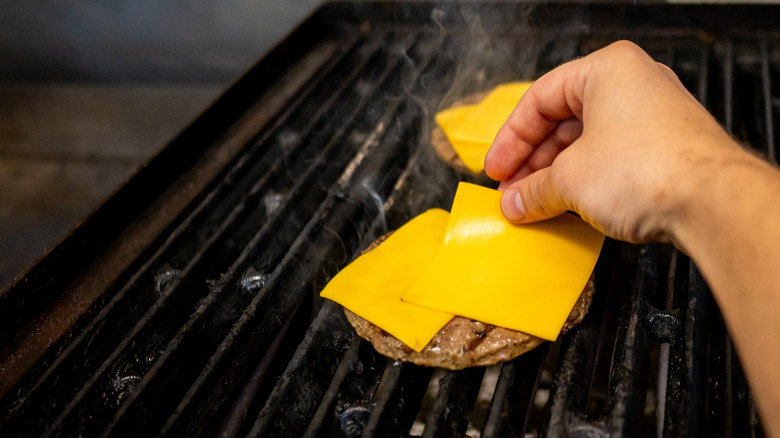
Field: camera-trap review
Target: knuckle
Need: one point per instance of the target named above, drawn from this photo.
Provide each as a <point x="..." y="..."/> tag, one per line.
<point x="626" y="52"/>
<point x="626" y="46"/>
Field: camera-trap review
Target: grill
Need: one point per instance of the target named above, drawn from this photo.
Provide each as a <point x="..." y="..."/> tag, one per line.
<point x="187" y="304"/>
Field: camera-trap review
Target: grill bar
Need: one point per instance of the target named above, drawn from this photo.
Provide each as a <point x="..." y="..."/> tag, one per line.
<point x="270" y="284"/>
<point x="628" y="383"/>
<point x="236" y="413"/>
<point x="290" y="390"/>
<point x="303" y="384"/>
<point x="96" y="333"/>
<point x="664" y="350"/>
<point x="569" y="391"/>
<point x="267" y="416"/>
<point x="456" y="395"/>
<point x="356" y="375"/>
<point x="396" y="400"/>
<point x="160" y="305"/>
<point x="514" y="396"/>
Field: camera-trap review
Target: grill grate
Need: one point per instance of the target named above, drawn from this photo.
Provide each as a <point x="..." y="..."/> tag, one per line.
<point x="201" y="316"/>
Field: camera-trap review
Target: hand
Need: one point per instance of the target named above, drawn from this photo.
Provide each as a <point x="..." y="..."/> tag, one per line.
<point x="613" y="136"/>
<point x="616" y="137"/>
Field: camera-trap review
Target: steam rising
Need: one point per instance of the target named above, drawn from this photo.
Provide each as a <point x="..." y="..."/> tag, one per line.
<point x="461" y="51"/>
<point x="417" y="70"/>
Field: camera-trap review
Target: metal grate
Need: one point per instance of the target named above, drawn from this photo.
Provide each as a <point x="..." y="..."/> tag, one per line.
<point x="187" y="304"/>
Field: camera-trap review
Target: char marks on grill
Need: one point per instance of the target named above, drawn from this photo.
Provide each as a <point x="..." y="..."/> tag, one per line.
<point x="187" y="305"/>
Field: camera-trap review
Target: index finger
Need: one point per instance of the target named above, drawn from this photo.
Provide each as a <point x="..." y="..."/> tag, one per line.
<point x="554" y="97"/>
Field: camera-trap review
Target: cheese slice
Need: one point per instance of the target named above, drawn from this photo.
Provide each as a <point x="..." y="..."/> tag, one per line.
<point x="522" y="277"/>
<point x="472" y="128"/>
<point x="371" y="286"/>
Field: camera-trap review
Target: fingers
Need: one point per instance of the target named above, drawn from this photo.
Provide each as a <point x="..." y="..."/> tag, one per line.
<point x="543" y="155"/>
<point x="559" y="139"/>
<point x="557" y="96"/>
<point x="521" y="173"/>
<point x="506" y="154"/>
<point x="554" y="97"/>
<point x="532" y="199"/>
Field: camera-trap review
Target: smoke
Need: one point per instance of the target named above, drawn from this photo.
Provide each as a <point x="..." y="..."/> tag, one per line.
<point x="462" y="49"/>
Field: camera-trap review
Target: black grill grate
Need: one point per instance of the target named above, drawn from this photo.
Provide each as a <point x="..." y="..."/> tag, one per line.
<point x="187" y="304"/>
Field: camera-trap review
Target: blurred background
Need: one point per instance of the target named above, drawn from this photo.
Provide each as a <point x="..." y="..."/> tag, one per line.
<point x="90" y="90"/>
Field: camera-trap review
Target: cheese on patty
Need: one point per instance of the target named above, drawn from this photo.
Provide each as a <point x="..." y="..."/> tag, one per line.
<point x="372" y="285"/>
<point x="472" y="128"/>
<point x="521" y="277"/>
<point x="472" y="263"/>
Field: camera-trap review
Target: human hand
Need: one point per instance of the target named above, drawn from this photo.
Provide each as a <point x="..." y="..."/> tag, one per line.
<point x="613" y="136"/>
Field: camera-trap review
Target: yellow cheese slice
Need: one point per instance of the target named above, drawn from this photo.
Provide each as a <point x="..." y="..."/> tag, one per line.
<point x="371" y="286"/>
<point x="521" y="277"/>
<point x="472" y="128"/>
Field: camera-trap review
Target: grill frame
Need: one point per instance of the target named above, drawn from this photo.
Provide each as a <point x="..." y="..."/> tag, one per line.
<point x="117" y="244"/>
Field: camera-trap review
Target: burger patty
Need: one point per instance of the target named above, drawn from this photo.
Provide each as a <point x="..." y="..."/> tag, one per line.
<point x="464" y="342"/>
<point x="441" y="144"/>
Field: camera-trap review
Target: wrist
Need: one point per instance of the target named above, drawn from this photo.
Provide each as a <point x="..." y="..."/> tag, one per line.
<point x="731" y="188"/>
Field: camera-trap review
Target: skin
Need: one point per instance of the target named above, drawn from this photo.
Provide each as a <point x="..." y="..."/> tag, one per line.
<point x="616" y="137"/>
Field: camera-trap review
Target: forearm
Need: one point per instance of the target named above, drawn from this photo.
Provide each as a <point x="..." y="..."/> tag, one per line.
<point x="732" y="231"/>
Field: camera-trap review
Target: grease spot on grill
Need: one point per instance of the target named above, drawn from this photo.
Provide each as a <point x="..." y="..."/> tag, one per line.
<point x="288" y="139"/>
<point x="342" y="341"/>
<point x="272" y="202"/>
<point x="364" y="88"/>
<point x="122" y="386"/>
<point x="253" y="281"/>
<point x="357" y="137"/>
<point x="353" y="420"/>
<point x="151" y="358"/>
<point x="164" y="280"/>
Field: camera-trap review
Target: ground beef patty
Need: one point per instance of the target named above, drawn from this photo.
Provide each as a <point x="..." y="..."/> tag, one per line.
<point x="441" y="144"/>
<point x="463" y="342"/>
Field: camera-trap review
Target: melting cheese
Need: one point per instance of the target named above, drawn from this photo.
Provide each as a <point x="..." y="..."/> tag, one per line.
<point x="371" y="286"/>
<point x="522" y="277"/>
<point x="472" y="128"/>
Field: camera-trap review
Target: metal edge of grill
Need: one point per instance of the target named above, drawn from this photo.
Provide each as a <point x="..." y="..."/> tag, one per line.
<point x="307" y="158"/>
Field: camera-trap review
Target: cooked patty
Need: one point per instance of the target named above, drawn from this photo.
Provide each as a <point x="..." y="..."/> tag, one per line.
<point x="464" y="342"/>
<point x="441" y="144"/>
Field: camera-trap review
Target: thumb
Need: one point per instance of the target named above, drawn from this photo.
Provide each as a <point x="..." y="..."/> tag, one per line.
<point x="532" y="199"/>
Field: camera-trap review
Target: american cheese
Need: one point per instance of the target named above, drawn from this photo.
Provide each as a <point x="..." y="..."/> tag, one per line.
<point x="371" y="286"/>
<point x="521" y="277"/>
<point x="472" y="128"/>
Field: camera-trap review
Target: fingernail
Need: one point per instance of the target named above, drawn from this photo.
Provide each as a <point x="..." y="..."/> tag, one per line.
<point x="512" y="205"/>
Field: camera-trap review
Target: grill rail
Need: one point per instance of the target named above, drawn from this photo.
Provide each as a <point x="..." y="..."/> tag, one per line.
<point x="201" y="315"/>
